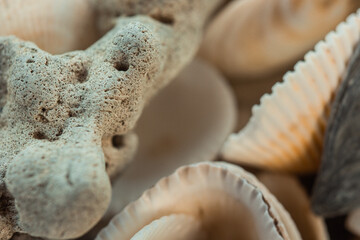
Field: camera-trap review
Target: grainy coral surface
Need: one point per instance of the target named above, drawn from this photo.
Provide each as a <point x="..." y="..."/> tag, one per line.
<point x="66" y="120"/>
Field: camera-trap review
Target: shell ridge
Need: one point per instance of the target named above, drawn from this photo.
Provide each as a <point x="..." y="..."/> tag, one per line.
<point x="330" y="57"/>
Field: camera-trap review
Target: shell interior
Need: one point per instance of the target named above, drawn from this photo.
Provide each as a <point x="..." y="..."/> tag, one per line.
<point x="185" y="123"/>
<point x="228" y="202"/>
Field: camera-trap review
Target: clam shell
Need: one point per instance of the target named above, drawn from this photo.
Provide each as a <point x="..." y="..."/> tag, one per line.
<point x="337" y="188"/>
<point x="228" y="202"/>
<point x="256" y="38"/>
<point x="353" y="222"/>
<point x="286" y="130"/>
<point x="185" y="123"/>
<point x="55" y="26"/>
<point x="293" y="197"/>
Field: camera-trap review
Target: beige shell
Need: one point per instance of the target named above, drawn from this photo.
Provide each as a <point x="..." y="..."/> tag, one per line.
<point x="220" y="200"/>
<point x="255" y="38"/>
<point x="293" y="197"/>
<point x="55" y="26"/>
<point x="286" y="130"/>
<point x="185" y="123"/>
<point x="353" y="222"/>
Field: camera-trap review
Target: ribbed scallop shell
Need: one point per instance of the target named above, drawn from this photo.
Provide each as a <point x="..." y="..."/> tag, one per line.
<point x="286" y="130"/>
<point x="255" y="38"/>
<point x="55" y="26"/>
<point x="224" y="198"/>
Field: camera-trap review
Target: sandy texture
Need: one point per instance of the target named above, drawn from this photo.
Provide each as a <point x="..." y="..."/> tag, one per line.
<point x="66" y="120"/>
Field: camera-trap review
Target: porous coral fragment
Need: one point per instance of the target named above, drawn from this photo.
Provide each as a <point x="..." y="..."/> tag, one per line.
<point x="60" y="113"/>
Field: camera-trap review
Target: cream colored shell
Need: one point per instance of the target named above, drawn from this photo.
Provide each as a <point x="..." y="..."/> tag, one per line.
<point x="219" y="200"/>
<point x="55" y="26"/>
<point x="286" y="130"/>
<point x="255" y="38"/>
<point x="293" y="197"/>
<point x="187" y="122"/>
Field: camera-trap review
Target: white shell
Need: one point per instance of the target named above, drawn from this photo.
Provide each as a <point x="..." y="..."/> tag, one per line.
<point x="286" y="130"/>
<point x="178" y="226"/>
<point x="353" y="222"/>
<point x="187" y="122"/>
<point x="55" y="26"/>
<point x="293" y="197"/>
<point x="228" y="202"/>
<point x="256" y="38"/>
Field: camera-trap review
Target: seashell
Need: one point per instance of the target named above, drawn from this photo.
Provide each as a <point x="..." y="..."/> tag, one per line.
<point x="337" y="188"/>
<point x="55" y="26"/>
<point x="249" y="93"/>
<point x="212" y="200"/>
<point x="185" y="123"/>
<point x="286" y="130"/>
<point x="264" y="37"/>
<point x="353" y="222"/>
<point x="293" y="197"/>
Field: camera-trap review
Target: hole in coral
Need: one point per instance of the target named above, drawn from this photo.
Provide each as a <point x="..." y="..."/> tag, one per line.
<point x="30" y="61"/>
<point x="117" y="141"/>
<point x="41" y="118"/>
<point x="59" y="133"/>
<point x="82" y="75"/>
<point x="168" y="20"/>
<point x="122" y="66"/>
<point x="39" y="135"/>
<point x="71" y="114"/>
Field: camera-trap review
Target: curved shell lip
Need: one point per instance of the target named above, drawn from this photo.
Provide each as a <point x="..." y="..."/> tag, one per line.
<point x="289" y="192"/>
<point x="274" y="220"/>
<point x="178" y="226"/>
<point x="286" y="130"/>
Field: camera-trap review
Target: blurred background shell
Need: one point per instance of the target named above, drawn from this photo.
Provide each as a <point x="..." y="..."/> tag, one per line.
<point x="223" y="200"/>
<point x="252" y="39"/>
<point x="292" y="196"/>
<point x="285" y="132"/>
<point x="55" y="26"/>
<point x="353" y="222"/>
<point x="187" y="122"/>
